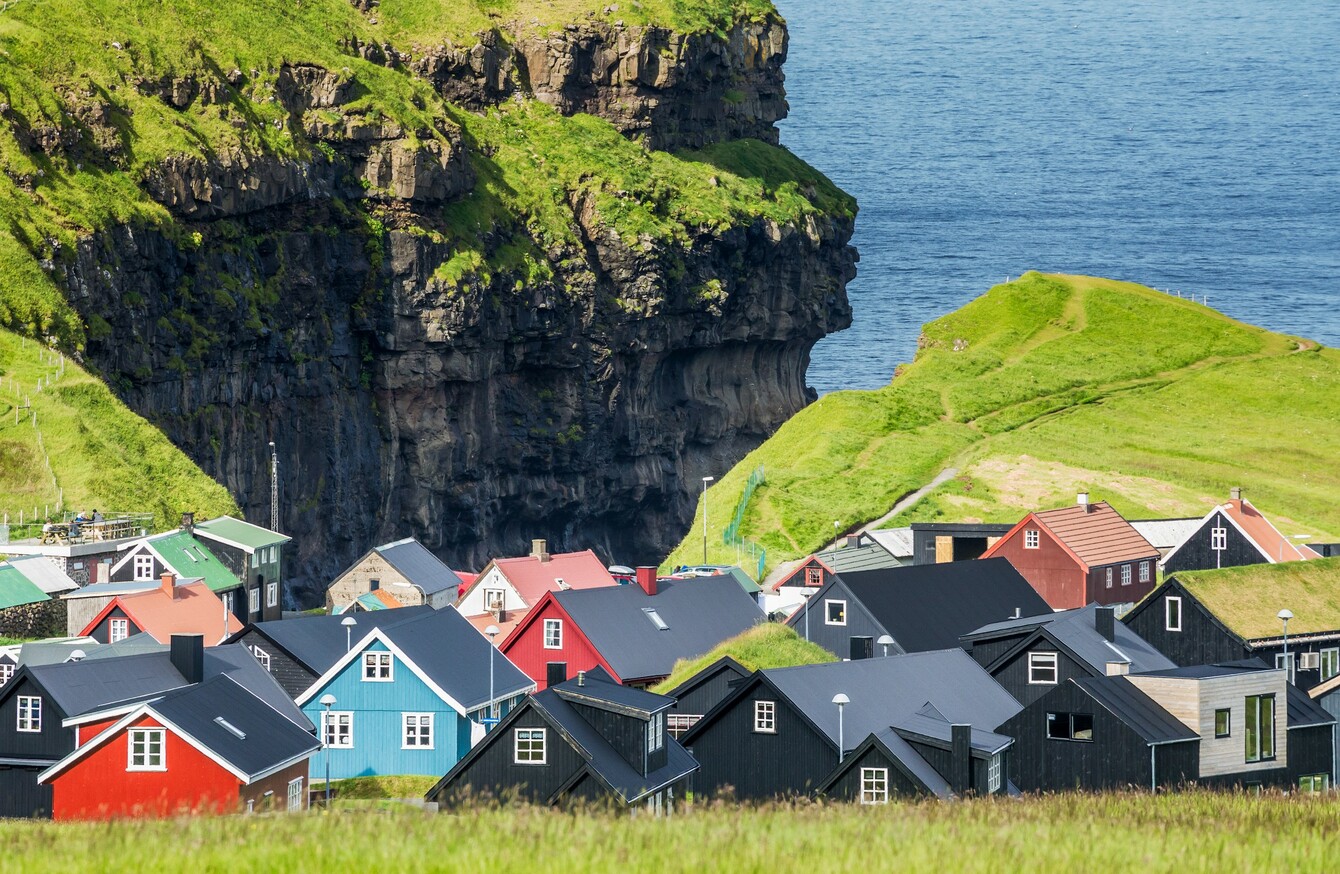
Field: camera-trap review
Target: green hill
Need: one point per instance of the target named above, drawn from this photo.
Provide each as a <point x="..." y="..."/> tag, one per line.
<point x="763" y="646"/>
<point x="1045" y="387"/>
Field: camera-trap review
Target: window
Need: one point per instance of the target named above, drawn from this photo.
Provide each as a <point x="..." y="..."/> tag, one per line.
<point x="254" y="600"/>
<point x="270" y="554"/>
<point x="1260" y="731"/>
<point x="1042" y="669"/>
<point x="993" y="774"/>
<point x="678" y="723"/>
<point x="146" y="750"/>
<point x="417" y="731"/>
<point x="30" y="713"/>
<point x="118" y="629"/>
<point x="338" y="729"/>
<point x="1283" y="662"/>
<point x="835" y="612"/>
<point x="377" y="667"/>
<point x="655" y="619"/>
<point x="1031" y="538"/>
<point x="874" y="785"/>
<point x="262" y="657"/>
<point x="295" y="794"/>
<point x="814" y="577"/>
<point x="529" y="746"/>
<point x="271" y="594"/>
<point x="1330" y="664"/>
<point x="6" y="672"/>
<point x="1125" y="575"/>
<point x="1144" y="571"/>
<point x="1070" y="726"/>
<point x="374" y="584"/>
<point x="256" y="559"/>
<point x="493" y="599"/>
<point x="1219" y="539"/>
<point x="553" y="634"/>
<point x="1108" y="578"/>
<point x="1223" y="722"/>
<point x="1312" y="783"/>
<point x="656" y="732"/>
<point x="765" y="717"/>
<point x="1172" y="613"/>
<point x="144" y="567"/>
<point x="228" y="601"/>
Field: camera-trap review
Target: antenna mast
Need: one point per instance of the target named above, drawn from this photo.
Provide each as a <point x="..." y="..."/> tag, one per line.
<point x="274" y="488"/>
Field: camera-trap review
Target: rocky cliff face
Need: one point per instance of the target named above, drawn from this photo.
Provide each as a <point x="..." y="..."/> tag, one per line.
<point x="582" y="407"/>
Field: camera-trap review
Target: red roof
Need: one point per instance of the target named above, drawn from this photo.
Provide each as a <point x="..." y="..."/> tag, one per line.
<point x="1097" y="535"/>
<point x="1275" y="545"/>
<point x="467" y="580"/>
<point x="191" y="609"/>
<point x="532" y="578"/>
<point x="484" y="620"/>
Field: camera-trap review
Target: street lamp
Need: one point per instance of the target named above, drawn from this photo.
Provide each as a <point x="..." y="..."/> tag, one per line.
<point x="806" y="594"/>
<point x="492" y="632"/>
<point x="841" y="701"/>
<point x="348" y="622"/>
<point x="706" y="480"/>
<point x="327" y="701"/>
<point x="886" y="642"/>
<point x="1284" y="616"/>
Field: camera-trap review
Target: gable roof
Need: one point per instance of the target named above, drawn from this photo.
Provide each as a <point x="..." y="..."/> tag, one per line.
<point x="317" y="642"/>
<point x="897" y="542"/>
<point x="1246" y="599"/>
<point x="1303" y="710"/>
<point x="110" y="590"/>
<point x="425" y="571"/>
<point x="191" y="609"/>
<point x="899" y="751"/>
<point x="929" y="725"/>
<point x="596" y="688"/>
<point x="699" y="612"/>
<point x="725" y="664"/>
<point x="746" y="582"/>
<point x="1095" y="537"/>
<point x="16" y="589"/>
<point x="1142" y="714"/>
<point x="1166" y="533"/>
<point x="43" y="573"/>
<point x="532" y="578"/>
<point x="376" y="600"/>
<point x="1273" y="546"/>
<point x="188" y="557"/>
<point x="243" y="535"/>
<point x="860" y="558"/>
<point x="1076" y="632"/>
<point x="929" y="606"/>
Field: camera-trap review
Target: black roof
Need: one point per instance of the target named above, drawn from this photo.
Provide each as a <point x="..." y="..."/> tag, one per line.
<point x="928" y="607"/>
<point x="318" y="642"/>
<point x="1220" y="669"/>
<point x="1303" y="711"/>
<point x="1077" y="632"/>
<point x="1138" y="711"/>
<point x="596" y="688"/>
<point x="699" y="613"/>
<point x="420" y="567"/>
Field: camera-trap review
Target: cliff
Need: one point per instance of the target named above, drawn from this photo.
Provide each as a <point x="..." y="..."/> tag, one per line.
<point x="523" y="282"/>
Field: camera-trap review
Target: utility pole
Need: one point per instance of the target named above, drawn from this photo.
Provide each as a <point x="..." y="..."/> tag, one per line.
<point x="274" y="489"/>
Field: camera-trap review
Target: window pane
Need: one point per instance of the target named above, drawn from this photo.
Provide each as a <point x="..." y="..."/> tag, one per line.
<point x="1058" y="726"/>
<point x="1083" y="726"/>
<point x="1267" y="727"/>
<point x="1251" y="734"/>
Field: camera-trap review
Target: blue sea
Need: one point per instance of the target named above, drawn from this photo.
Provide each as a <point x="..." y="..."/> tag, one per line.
<point x="1190" y="145"/>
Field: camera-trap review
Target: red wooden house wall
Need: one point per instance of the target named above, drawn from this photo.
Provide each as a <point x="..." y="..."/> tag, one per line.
<point x="525" y="645"/>
<point x="1052" y="571"/>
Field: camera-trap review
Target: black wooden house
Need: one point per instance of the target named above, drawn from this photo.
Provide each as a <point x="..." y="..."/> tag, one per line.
<point x="1233" y="534"/>
<point x="701" y="692"/>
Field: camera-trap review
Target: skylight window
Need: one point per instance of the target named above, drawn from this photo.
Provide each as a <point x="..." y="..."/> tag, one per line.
<point x="655" y="618"/>
<point x="230" y="728"/>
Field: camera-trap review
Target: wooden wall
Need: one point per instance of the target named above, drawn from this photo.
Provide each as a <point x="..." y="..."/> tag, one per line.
<point x="1202" y="641"/>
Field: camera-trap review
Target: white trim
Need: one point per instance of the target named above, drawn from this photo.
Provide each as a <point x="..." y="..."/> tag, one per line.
<point x="544" y="746"/>
<point x="325" y="733"/>
<point x="544" y="633"/>
<point x="770" y="718"/>
<point x="828" y="619"/>
<point x="358" y="649"/>
<point x="405" y="717"/>
<point x="374" y="659"/>
<point x="877" y="796"/>
<point x="1055" y="668"/>
<point x="293" y="799"/>
<point x="1036" y="538"/>
<point x="18" y="714"/>
<point x="1219" y="508"/>
<point x="1168" y="601"/>
<point x="162" y="748"/>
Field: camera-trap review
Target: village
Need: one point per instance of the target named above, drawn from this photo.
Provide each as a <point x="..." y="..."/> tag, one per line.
<point x="1074" y="650"/>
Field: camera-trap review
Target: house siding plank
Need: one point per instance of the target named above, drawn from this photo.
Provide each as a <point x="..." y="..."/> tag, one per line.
<point x="835" y="638"/>
<point x="1196" y="553"/>
<point x="527" y="651"/>
<point x="1013" y="674"/>
<point x="1049" y="569"/>
<point x="290" y="674"/>
<point x="1202" y="641"/>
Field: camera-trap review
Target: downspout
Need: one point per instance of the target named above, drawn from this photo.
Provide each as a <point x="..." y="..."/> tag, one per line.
<point x="1153" y="769"/>
<point x="1333" y="742"/>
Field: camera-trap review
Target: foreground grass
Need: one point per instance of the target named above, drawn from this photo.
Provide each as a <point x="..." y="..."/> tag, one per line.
<point x="1051" y="385"/>
<point x="1193" y="832"/>
<point x="764" y="646"/>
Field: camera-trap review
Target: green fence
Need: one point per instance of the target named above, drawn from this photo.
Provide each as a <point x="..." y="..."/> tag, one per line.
<point x="731" y="535"/>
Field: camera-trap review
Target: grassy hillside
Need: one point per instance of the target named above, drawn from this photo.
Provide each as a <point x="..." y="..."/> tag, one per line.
<point x="1116" y="833"/>
<point x="1051" y="385"/>
<point x="763" y="646"/>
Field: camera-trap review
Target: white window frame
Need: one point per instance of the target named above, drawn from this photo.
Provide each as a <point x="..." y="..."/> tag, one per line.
<point x="1032" y="538"/>
<point x="6" y="673"/>
<point x="993" y="781"/>
<point x="145" y="738"/>
<point x="255" y="559"/>
<point x="254" y="599"/>
<point x="828" y="614"/>
<point x="874" y="785"/>
<point x="29" y="712"/>
<point x="530" y="742"/>
<point x="1219" y="539"/>
<point x="1289" y="663"/>
<point x="1144" y="571"/>
<point x="272" y="594"/>
<point x="678" y="723"/>
<point x="553" y="631"/>
<point x="378" y="667"/>
<point x="656" y="732"/>
<point x="143" y="565"/>
<point x="765" y="717"/>
<point x="412" y="732"/>
<point x="1043" y="662"/>
<point x="1314" y="784"/>
<point x="495" y="599"/>
<point x="1329" y="663"/>
<point x="337" y="729"/>
<point x="294" y="795"/>
<point x="1172" y="605"/>
<point x="118" y="629"/>
<point x="1126" y="575"/>
<point x="1108" y="579"/>
<point x="262" y="657"/>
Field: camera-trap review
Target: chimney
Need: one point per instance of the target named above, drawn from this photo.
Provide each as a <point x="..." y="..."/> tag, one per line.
<point x="1235" y="493"/>
<point x="555" y="673"/>
<point x="540" y="549"/>
<point x="169" y="583"/>
<point x="581" y="678"/>
<point x="646" y="578"/>
<point x="1105" y="620"/>
<point x="188" y="656"/>
<point x="188" y="521"/>
<point x="1118" y="669"/>
<point x="1018" y="613"/>
<point x="960" y="762"/>
<point x="853" y="541"/>
<point x="1083" y="501"/>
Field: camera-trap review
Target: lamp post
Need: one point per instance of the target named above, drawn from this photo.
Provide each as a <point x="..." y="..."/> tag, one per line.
<point x="327" y="701"/>
<point x="806" y="594"/>
<point x="1284" y="616"/>
<point x="348" y="622"/>
<point x="492" y="632"/>
<point x="706" y="480"/>
<point x="886" y="642"/>
<point x="841" y="701"/>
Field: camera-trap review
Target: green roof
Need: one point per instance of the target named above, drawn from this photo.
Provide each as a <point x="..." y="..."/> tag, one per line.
<point x="191" y="558"/>
<point x="746" y="582"/>
<point x="16" y="589"/>
<point x="1248" y="599"/>
<point x="243" y="534"/>
<point x="769" y="645"/>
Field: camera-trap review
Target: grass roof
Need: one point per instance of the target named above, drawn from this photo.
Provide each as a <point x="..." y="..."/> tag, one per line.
<point x="764" y="646"/>
<point x="1248" y="599"/>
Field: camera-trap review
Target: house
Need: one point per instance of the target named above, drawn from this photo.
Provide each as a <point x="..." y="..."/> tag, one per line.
<point x="9" y="663"/>
<point x="181" y="554"/>
<point x="701" y="692"/>
<point x="210" y="747"/>
<point x="1035" y="654"/>
<point x="26" y="610"/>
<point x="80" y="559"/>
<point x="779" y="733"/>
<point x="46" y="710"/>
<point x="1235" y="724"/>
<point x="298" y="651"/>
<point x="1080" y="555"/>
<point x="170" y="608"/>
<point x="940" y="542"/>
<point x="411" y="697"/>
<point x="404" y="569"/>
<point x="897" y="542"/>
<point x="587" y="740"/>
<point x="636" y="632"/>
<point x="510" y="586"/>
<point x="922" y="607"/>
<point x="255" y="555"/>
<point x="1230" y="535"/>
<point x="1205" y="617"/>
<point x="813" y="572"/>
<point x="81" y="605"/>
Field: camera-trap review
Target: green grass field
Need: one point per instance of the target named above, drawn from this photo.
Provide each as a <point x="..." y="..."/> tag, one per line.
<point x="1116" y="833"/>
<point x="764" y="646"/>
<point x="1048" y="386"/>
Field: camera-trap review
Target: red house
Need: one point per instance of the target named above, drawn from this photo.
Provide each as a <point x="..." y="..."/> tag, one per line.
<point x="167" y="609"/>
<point x="212" y="747"/>
<point x="1080" y="555"/>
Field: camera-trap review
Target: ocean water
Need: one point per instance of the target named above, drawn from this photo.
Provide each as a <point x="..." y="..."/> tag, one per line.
<point x="1191" y="145"/>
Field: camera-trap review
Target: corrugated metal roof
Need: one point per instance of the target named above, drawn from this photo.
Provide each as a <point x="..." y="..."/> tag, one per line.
<point x="191" y="609"/>
<point x="1166" y="533"/>
<point x="16" y="589"/>
<point x="1276" y="546"/>
<point x="896" y="541"/>
<point x="860" y="558"/>
<point x="1303" y="711"/>
<point x="111" y="590"/>
<point x="532" y="577"/>
<point x="191" y="558"/>
<point x="1099" y="536"/>
<point x="1138" y="711"/>
<point x="43" y="573"/>
<point x="940" y="729"/>
<point x="423" y="569"/>
<point x="378" y="600"/>
<point x="244" y="534"/>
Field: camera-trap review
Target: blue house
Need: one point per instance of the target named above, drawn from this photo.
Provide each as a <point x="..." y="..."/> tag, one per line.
<point x="410" y="698"/>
